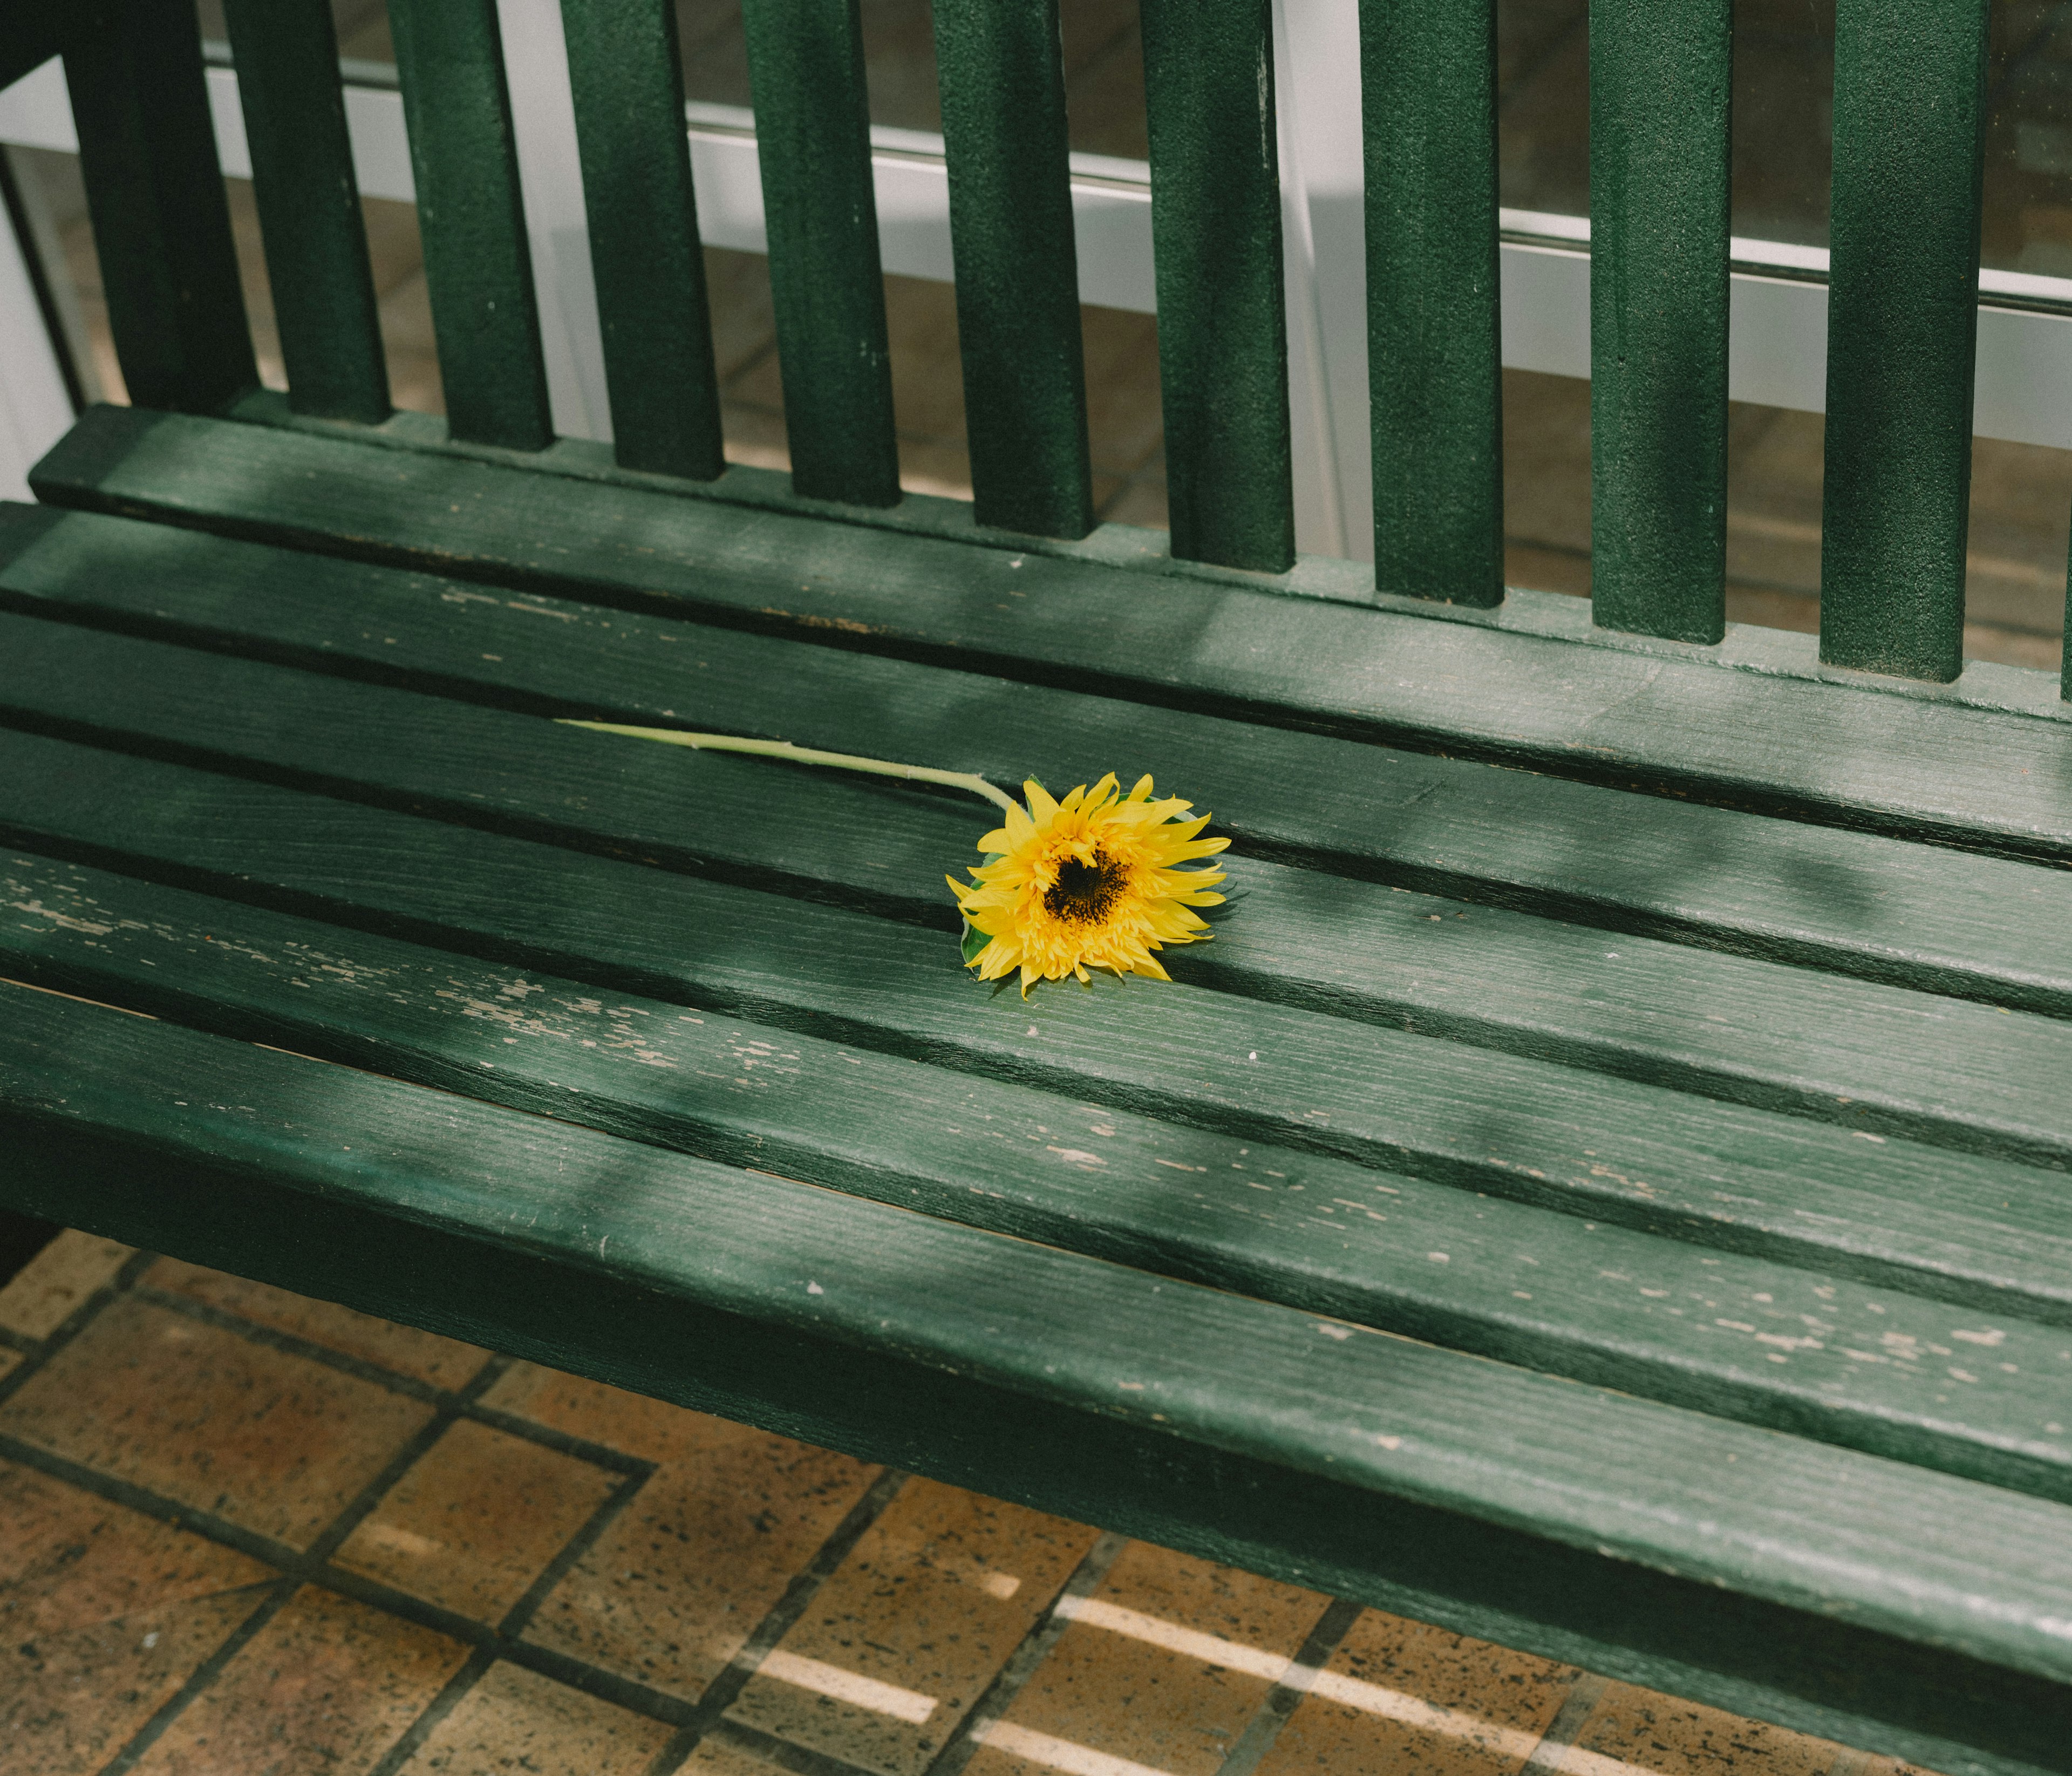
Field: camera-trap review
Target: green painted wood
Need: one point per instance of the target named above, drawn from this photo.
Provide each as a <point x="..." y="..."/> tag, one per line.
<point x="1427" y="83"/>
<point x="1975" y="1077"/>
<point x="478" y="264"/>
<point x="1977" y="778"/>
<point x="27" y="40"/>
<point x="161" y="227"/>
<point x="1932" y="1221"/>
<point x="308" y="200"/>
<point x="1001" y="71"/>
<point x="1223" y="333"/>
<point x="1753" y="1570"/>
<point x="1924" y="917"/>
<point x="1756" y="1341"/>
<point x="812" y="131"/>
<point x="1902" y="324"/>
<point x="627" y="77"/>
<point x="1661" y="85"/>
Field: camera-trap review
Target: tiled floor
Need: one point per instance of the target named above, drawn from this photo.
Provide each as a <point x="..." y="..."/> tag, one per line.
<point x="246" y="1534"/>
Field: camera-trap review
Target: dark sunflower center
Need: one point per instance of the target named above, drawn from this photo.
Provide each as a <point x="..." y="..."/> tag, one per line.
<point x="1084" y="893"/>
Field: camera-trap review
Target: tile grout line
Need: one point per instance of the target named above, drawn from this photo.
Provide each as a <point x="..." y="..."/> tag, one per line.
<point x="1278" y="1705"/>
<point x="296" y="1563"/>
<point x="1576" y="1708"/>
<point x="300" y="1568"/>
<point x="455" y="1690"/>
<point x="1021" y="1665"/>
<point x="719" y="1695"/>
<point x="202" y="1676"/>
<point x="796" y="1760"/>
<point x="520" y="1615"/>
<point x="77" y="1320"/>
<point x="583" y="1449"/>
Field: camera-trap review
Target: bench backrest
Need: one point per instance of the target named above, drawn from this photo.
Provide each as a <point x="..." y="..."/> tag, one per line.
<point x="1909" y="92"/>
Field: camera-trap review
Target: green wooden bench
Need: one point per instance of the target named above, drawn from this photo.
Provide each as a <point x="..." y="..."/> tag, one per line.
<point x="1602" y="1188"/>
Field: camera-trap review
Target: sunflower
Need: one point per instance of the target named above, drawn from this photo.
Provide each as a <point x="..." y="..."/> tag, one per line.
<point x="1087" y="882"/>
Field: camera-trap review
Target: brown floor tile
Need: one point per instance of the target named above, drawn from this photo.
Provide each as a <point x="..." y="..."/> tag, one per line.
<point x="1546" y="460"/>
<point x="717" y="1757"/>
<point x="1125" y="422"/>
<point x="1547" y="569"/>
<point x="423" y="1356"/>
<point x="1164" y="1665"/>
<point x="201" y="1415"/>
<point x="744" y="322"/>
<point x="515" y="1719"/>
<point x="1141" y="501"/>
<point x="50" y="1288"/>
<point x="1404" y="1697"/>
<point x="476" y="1520"/>
<point x="928" y="374"/>
<point x="1666" y="1737"/>
<point x="104" y="1613"/>
<point x="688" y="1568"/>
<point x="906" y="1634"/>
<point x="754" y="437"/>
<point x="328" y="1684"/>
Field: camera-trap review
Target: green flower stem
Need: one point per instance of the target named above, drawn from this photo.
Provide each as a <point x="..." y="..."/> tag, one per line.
<point x="805" y="755"/>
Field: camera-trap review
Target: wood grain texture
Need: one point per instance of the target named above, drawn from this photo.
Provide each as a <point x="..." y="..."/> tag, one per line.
<point x="1223" y="332"/>
<point x="1841" y="755"/>
<point x="1000" y="66"/>
<point x="794" y="1289"/>
<point x="1903" y="326"/>
<point x="1661" y="82"/>
<point x="626" y="76"/>
<point x="1752" y="1339"/>
<point x="1428" y="84"/>
<point x="160" y="226"/>
<point x="317" y="269"/>
<point x="478" y="264"/>
<point x="1970" y="1076"/>
<point x="1912" y="915"/>
<point x="812" y="131"/>
<point x="1730" y="1177"/>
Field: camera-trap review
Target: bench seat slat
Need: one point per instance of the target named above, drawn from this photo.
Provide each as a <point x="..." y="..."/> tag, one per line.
<point x="1919" y="916"/>
<point x="1968" y="1076"/>
<point x="318" y="268"/>
<point x="1975" y="778"/>
<point x="812" y="133"/>
<point x="1748" y="1338"/>
<point x="627" y="83"/>
<point x="1467" y="1451"/>
<point x="1903" y="326"/>
<point x="1722" y="1173"/>
<point x="1223" y="331"/>
<point x="1002" y="68"/>
<point x="1428" y="82"/>
<point x="478" y="266"/>
<point x="1661" y="81"/>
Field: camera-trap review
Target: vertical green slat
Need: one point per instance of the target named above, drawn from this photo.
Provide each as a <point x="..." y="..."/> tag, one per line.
<point x="1002" y="76"/>
<point x="1661" y="85"/>
<point x="813" y="128"/>
<point x="477" y="261"/>
<point x="308" y="200"/>
<point x="644" y="235"/>
<point x="154" y="190"/>
<point x="1215" y="221"/>
<point x="1427" y="87"/>
<point x="1902" y="322"/>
